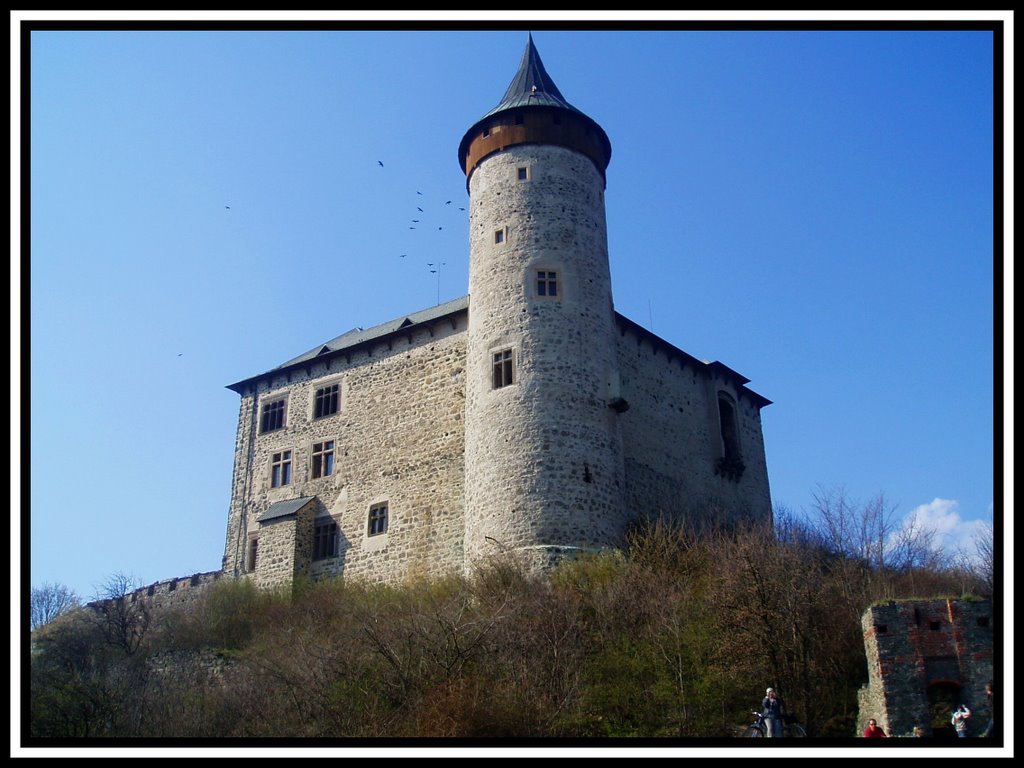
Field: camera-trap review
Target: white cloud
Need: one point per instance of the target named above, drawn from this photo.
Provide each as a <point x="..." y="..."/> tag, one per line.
<point x="953" y="534"/>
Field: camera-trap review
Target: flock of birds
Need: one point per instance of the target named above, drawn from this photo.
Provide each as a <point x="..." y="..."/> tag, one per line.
<point x="424" y="219"/>
<point x="414" y="224"/>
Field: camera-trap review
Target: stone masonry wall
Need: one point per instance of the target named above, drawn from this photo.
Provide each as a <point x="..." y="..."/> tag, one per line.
<point x="179" y="592"/>
<point x="672" y="437"/>
<point x="911" y="646"/>
<point x="398" y="439"/>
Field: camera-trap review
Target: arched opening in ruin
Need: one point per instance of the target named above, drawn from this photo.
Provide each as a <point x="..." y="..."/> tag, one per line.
<point x="943" y="698"/>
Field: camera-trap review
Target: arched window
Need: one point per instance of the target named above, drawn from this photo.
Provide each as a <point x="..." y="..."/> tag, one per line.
<point x="730" y="463"/>
<point x="730" y="432"/>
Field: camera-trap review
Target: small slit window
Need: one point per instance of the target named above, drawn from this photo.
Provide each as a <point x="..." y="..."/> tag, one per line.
<point x="250" y="560"/>
<point x="499" y="236"/>
<point x="523" y="173"/>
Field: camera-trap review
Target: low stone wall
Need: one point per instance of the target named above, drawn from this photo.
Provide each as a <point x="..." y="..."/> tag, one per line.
<point x="176" y="592"/>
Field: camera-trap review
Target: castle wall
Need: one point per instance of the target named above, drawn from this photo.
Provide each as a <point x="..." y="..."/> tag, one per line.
<point x="672" y="437"/>
<point x="913" y="646"/>
<point x="180" y="592"/>
<point x="398" y="440"/>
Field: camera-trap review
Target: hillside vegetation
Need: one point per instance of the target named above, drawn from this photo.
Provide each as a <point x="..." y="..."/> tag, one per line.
<point x="676" y="636"/>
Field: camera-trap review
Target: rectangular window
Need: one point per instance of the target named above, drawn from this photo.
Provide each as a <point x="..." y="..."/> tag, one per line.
<point x="378" y="519"/>
<point x="326" y="401"/>
<point x="323" y="459"/>
<point x="250" y="561"/>
<point x="501" y="368"/>
<point x="523" y="173"/>
<point x="325" y="539"/>
<point x="273" y="416"/>
<point x="547" y="283"/>
<point x="499" y="236"/>
<point x="281" y="469"/>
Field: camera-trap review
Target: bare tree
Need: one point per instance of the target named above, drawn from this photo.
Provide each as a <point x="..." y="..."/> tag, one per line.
<point x="123" y="616"/>
<point x="984" y="544"/>
<point x="913" y="545"/>
<point x="50" y="601"/>
<point x="975" y="565"/>
<point x="858" y="530"/>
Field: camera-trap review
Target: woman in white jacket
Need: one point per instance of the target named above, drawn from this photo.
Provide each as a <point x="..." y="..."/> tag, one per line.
<point x="959" y="720"/>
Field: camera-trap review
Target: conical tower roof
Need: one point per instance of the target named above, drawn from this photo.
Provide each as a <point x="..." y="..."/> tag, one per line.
<point x="532" y="86"/>
<point x="533" y="89"/>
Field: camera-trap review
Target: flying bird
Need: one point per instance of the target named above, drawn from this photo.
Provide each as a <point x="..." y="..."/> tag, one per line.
<point x="448" y="203"/>
<point x="440" y="228"/>
<point x="402" y="256"/>
<point x="415" y="221"/>
<point x="462" y="209"/>
<point x="418" y="192"/>
<point x="380" y="163"/>
<point x="419" y="209"/>
<point x="228" y="207"/>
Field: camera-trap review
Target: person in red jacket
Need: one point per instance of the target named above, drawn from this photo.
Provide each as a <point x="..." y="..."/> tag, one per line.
<point x="873" y="731"/>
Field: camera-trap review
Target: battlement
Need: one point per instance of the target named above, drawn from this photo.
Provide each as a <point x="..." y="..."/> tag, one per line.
<point x="178" y="591"/>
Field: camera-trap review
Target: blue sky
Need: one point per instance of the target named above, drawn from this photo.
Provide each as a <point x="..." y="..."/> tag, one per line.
<point x="814" y="208"/>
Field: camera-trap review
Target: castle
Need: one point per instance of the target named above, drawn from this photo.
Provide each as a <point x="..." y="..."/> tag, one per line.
<point x="529" y="417"/>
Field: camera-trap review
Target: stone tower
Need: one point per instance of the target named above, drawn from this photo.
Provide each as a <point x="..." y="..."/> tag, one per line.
<point x="544" y="470"/>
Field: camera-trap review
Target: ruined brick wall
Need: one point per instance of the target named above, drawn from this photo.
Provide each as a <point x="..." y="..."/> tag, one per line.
<point x="672" y="437"/>
<point x="912" y="647"/>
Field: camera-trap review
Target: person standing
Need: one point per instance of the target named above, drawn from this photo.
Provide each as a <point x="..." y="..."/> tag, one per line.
<point x="772" y="708"/>
<point x="959" y="720"/>
<point x="873" y="731"/>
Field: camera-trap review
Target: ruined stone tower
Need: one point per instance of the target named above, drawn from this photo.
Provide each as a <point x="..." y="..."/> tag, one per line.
<point x="544" y="459"/>
<point x="924" y="658"/>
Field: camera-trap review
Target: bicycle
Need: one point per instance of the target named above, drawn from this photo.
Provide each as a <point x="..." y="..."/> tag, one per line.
<point x="759" y="729"/>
